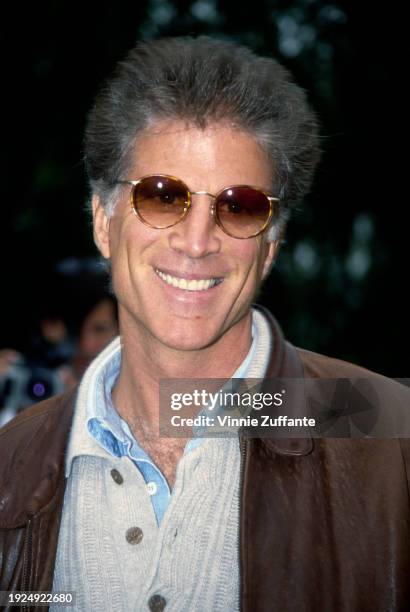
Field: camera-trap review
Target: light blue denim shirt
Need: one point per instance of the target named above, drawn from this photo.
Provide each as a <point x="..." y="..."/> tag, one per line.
<point x="111" y="432"/>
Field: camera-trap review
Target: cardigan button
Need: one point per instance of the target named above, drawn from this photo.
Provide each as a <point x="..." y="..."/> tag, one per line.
<point x="134" y="535"/>
<point x="157" y="603"/>
<point x="116" y="476"/>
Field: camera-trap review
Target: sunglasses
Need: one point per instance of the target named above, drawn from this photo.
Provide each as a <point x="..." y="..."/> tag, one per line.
<point x="162" y="201"/>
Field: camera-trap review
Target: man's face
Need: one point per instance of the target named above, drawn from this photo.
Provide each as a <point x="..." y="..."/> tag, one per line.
<point x="196" y="248"/>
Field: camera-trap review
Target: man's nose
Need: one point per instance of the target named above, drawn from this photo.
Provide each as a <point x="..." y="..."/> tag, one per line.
<point x="197" y="235"/>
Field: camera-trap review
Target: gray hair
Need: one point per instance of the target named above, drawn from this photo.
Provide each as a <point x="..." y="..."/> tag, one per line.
<point x="202" y="81"/>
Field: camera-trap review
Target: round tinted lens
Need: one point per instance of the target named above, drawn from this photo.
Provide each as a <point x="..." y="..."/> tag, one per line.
<point x="243" y="211"/>
<point x="160" y="201"/>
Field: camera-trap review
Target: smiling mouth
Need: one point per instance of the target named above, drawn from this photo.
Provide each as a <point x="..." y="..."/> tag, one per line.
<point x="199" y="284"/>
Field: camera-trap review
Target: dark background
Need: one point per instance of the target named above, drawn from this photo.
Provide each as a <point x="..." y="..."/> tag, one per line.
<point x="340" y="286"/>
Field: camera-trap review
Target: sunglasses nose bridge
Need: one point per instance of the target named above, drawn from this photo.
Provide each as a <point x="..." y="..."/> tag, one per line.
<point x="211" y="195"/>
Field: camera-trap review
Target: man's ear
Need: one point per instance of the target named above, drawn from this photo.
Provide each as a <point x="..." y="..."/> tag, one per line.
<point x="272" y="250"/>
<point x="101" y="225"/>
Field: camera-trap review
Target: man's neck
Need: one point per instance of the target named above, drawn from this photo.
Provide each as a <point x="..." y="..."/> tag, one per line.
<point x="145" y="361"/>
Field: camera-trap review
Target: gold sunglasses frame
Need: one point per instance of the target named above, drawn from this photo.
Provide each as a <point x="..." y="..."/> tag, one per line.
<point x="271" y="199"/>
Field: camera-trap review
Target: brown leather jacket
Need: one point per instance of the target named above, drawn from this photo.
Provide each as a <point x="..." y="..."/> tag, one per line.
<point x="325" y="523"/>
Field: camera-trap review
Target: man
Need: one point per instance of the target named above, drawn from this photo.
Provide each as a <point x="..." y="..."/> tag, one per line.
<point x="196" y="151"/>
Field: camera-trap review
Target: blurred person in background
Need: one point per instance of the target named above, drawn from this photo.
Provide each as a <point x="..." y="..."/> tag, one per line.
<point x="196" y="152"/>
<point x="98" y="327"/>
<point x="33" y="374"/>
<point x="65" y="342"/>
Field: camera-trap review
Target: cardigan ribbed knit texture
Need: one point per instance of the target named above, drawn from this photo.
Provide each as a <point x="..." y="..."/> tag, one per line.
<point x="191" y="559"/>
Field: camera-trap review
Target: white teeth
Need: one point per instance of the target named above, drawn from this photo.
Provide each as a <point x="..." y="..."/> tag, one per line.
<point x="188" y="285"/>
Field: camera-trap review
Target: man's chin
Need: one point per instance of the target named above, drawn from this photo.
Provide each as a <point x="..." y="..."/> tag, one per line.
<point x="191" y="335"/>
<point x="186" y="341"/>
